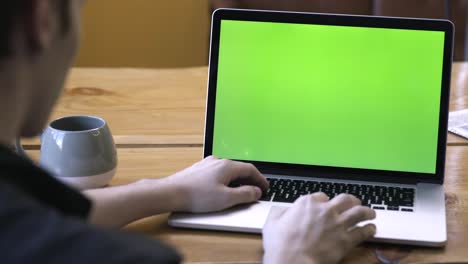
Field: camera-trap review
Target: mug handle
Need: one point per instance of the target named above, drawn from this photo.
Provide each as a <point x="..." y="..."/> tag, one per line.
<point x="19" y="148"/>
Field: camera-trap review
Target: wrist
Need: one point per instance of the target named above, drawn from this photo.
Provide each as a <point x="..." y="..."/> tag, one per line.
<point x="274" y="259"/>
<point x="275" y="256"/>
<point x="176" y="198"/>
<point x="163" y="195"/>
<point x="281" y="257"/>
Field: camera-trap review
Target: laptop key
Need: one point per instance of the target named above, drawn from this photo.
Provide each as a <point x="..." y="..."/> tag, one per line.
<point x="393" y="208"/>
<point x="365" y="203"/>
<point x="283" y="199"/>
<point x="266" y="196"/>
<point x="407" y="204"/>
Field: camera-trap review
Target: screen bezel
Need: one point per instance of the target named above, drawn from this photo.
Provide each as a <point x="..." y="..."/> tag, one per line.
<point x="337" y="20"/>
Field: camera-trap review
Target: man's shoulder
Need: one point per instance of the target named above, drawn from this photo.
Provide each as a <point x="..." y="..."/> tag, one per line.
<point x="39" y="185"/>
<point x="39" y="222"/>
<point x="29" y="228"/>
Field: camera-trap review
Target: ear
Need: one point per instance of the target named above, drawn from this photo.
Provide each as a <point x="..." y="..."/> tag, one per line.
<point x="39" y="25"/>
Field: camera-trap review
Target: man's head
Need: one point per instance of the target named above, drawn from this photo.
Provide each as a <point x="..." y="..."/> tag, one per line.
<point x="38" y="42"/>
<point x="12" y="12"/>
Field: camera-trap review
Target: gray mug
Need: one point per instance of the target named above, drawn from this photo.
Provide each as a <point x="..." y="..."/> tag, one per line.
<point x="80" y="151"/>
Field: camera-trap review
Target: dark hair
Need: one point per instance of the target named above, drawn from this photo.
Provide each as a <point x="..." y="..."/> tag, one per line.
<point x="13" y="11"/>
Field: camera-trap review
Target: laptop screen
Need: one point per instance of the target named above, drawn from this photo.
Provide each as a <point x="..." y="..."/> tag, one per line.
<point x="338" y="96"/>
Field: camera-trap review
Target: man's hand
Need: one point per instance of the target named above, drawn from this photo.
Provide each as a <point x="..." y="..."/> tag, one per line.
<point x="315" y="230"/>
<point x="203" y="187"/>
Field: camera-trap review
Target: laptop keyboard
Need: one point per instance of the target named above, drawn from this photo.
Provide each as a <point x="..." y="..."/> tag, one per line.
<point x="377" y="197"/>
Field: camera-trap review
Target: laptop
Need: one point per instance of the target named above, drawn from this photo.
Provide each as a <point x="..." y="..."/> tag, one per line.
<point x="337" y="104"/>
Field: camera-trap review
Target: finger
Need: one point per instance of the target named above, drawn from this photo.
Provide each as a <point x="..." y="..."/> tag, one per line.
<point x="248" y="174"/>
<point x="355" y="215"/>
<point x="306" y="201"/>
<point x="315" y="197"/>
<point x="344" y="202"/>
<point x="320" y="197"/>
<point x="243" y="194"/>
<point x="359" y="234"/>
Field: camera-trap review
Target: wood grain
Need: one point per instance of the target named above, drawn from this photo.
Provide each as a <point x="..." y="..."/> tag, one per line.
<point x="224" y="247"/>
<point x="141" y="106"/>
<point x="153" y="107"/>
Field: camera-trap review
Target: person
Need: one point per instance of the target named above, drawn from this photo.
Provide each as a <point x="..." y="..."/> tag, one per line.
<point x="43" y="221"/>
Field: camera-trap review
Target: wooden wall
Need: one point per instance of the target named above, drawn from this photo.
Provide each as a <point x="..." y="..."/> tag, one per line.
<point x="144" y="33"/>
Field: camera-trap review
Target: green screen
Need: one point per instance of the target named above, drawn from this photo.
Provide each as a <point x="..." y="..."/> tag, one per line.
<point x="340" y="96"/>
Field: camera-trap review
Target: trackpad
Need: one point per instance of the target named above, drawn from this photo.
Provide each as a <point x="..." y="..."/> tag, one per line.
<point x="243" y="218"/>
<point x="277" y="211"/>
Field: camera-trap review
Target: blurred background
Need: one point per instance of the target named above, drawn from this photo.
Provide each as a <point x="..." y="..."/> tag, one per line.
<point x="145" y="33"/>
<point x="168" y="34"/>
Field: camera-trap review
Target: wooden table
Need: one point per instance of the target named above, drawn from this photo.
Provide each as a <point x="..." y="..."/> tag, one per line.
<point x="157" y="118"/>
<point x="167" y="107"/>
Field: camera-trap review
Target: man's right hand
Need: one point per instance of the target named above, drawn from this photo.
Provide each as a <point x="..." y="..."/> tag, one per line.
<point x="315" y="230"/>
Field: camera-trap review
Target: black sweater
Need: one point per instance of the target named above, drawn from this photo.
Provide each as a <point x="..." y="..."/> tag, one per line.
<point x="43" y="221"/>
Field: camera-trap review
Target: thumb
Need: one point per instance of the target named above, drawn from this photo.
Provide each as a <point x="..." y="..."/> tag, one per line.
<point x="244" y="194"/>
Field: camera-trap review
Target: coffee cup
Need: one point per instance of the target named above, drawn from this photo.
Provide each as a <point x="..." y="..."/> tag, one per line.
<point x="79" y="151"/>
